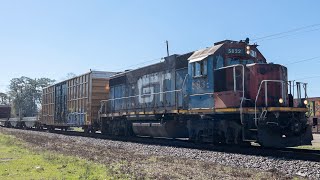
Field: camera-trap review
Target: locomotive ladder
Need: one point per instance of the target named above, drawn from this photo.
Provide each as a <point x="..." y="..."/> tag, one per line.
<point x="263" y="114"/>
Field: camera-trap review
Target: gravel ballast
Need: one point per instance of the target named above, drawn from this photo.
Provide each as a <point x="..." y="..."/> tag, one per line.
<point x="167" y="162"/>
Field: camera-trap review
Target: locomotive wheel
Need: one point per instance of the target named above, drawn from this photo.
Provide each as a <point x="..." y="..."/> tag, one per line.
<point x="93" y="131"/>
<point x="199" y="138"/>
<point x="104" y="128"/>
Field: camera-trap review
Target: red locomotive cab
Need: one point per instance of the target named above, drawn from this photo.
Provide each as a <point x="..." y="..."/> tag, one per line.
<point x="250" y="85"/>
<point x="267" y="85"/>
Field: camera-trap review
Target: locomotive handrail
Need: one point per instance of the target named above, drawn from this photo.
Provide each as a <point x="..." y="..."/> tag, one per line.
<point x="105" y="101"/>
<point x="163" y="92"/>
<point x="266" y="96"/>
<point x="200" y="94"/>
<point x="299" y="92"/>
<point x="234" y="85"/>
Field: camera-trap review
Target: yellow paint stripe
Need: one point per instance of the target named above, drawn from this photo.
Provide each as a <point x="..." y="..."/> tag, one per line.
<point x="287" y="109"/>
<point x="228" y="110"/>
<point x="222" y="110"/>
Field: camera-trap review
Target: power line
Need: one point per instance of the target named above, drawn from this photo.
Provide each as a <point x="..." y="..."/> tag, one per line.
<point x="310" y="77"/>
<point x="309" y="59"/>
<point x="290" y="35"/>
<point x="268" y="37"/>
<point x="287" y="32"/>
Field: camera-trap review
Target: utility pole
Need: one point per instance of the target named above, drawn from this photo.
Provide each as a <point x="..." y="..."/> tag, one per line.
<point x="167" y="43"/>
<point x="19" y="100"/>
<point x="34" y="98"/>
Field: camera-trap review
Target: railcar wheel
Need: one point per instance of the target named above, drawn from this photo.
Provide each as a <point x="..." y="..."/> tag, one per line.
<point x="8" y="125"/>
<point x="86" y="130"/>
<point x="192" y="135"/>
<point x="51" y="128"/>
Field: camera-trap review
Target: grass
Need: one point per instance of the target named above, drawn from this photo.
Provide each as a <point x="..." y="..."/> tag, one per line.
<point x="315" y="146"/>
<point x="78" y="129"/>
<point x="315" y="143"/>
<point x="18" y="162"/>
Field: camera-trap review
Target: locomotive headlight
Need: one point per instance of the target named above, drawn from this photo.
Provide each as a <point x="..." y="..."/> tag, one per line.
<point x="248" y="47"/>
<point x="248" y="51"/>
<point x="305" y="102"/>
<point x="280" y="100"/>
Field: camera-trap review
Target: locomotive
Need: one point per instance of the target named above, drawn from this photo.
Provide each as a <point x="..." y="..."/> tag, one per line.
<point x="226" y="93"/>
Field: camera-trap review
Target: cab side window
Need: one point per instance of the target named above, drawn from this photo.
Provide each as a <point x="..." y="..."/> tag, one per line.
<point x="200" y="68"/>
<point x="219" y="62"/>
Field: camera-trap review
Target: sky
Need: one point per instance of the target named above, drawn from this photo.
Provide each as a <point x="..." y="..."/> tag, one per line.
<point x="42" y="38"/>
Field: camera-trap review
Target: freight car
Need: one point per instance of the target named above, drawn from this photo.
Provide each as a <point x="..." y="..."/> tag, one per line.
<point x="314" y="113"/>
<point x="5" y="112"/>
<point x="75" y="102"/>
<point x="22" y="123"/>
<point x="7" y="121"/>
<point x="226" y="93"/>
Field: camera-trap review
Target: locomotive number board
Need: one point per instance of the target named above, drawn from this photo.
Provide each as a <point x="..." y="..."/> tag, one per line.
<point x="235" y="51"/>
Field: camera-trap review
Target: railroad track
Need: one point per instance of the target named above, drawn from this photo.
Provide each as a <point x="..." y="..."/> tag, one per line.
<point x="281" y="153"/>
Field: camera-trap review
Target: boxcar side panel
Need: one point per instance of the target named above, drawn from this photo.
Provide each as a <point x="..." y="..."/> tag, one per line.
<point x="78" y="100"/>
<point x="100" y="91"/>
<point x="60" y="103"/>
<point x="48" y="102"/>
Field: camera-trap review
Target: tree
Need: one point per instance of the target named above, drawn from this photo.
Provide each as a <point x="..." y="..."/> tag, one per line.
<point x="4" y="99"/>
<point x="71" y="75"/>
<point x="39" y="85"/>
<point x="26" y="94"/>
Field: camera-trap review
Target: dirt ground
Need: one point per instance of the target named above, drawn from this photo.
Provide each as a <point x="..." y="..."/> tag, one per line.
<point x="129" y="164"/>
<point x="316" y="138"/>
<point x="315" y="142"/>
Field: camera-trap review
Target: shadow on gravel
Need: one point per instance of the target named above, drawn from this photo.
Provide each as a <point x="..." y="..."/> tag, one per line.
<point x="283" y="153"/>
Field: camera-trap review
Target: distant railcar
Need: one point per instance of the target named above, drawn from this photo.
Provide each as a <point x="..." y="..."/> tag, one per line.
<point x="226" y="93"/>
<point x="75" y="102"/>
<point x="7" y="121"/>
<point x="314" y="113"/>
<point x="5" y="112"/>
